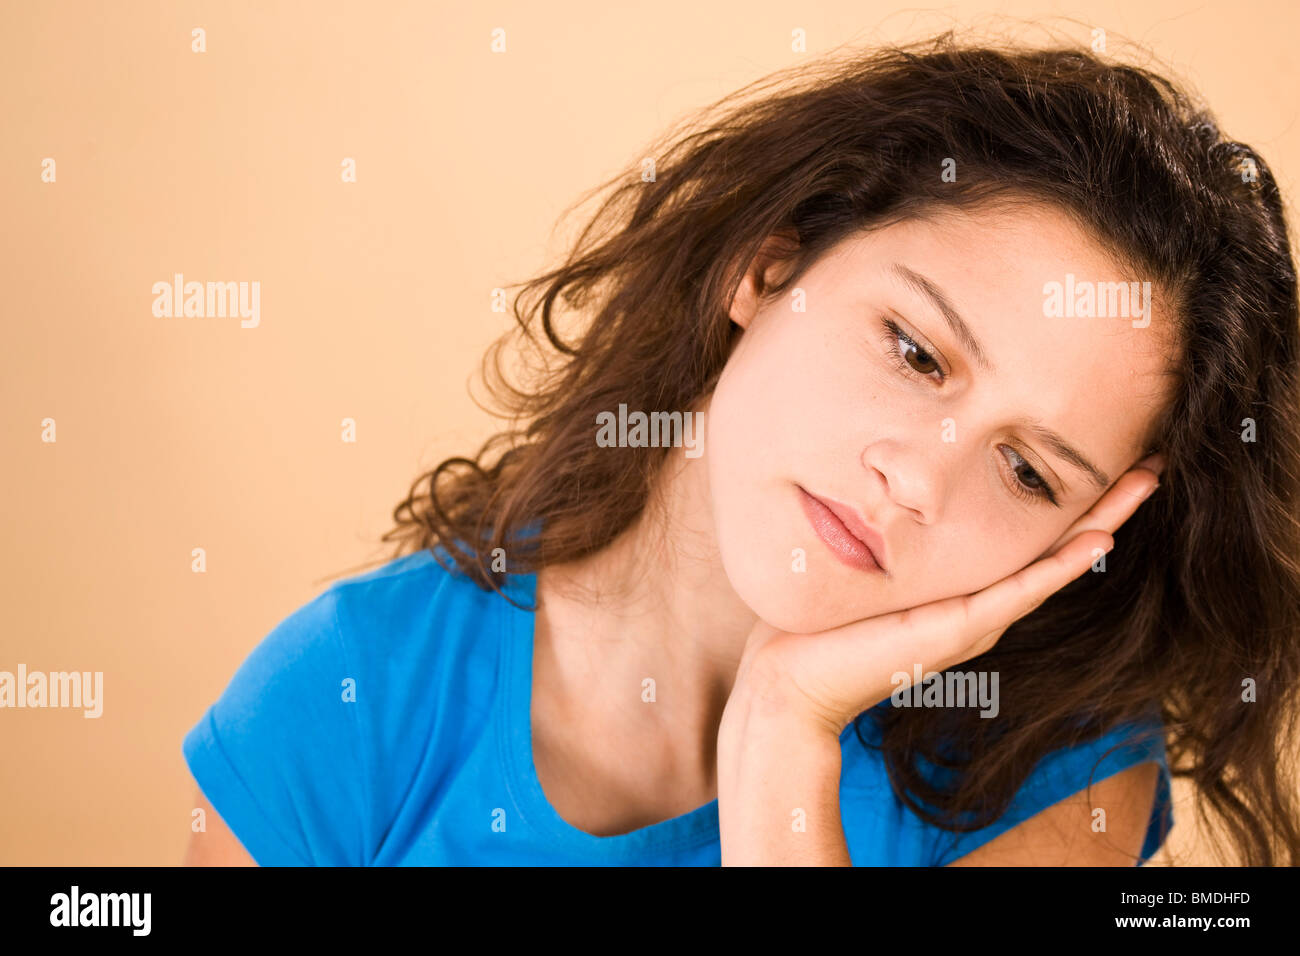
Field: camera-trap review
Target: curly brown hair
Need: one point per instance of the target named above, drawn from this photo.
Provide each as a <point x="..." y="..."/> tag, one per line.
<point x="1207" y="589"/>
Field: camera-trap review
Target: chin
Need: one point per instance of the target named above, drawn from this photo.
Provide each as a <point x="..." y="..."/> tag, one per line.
<point x="784" y="610"/>
<point x="761" y="574"/>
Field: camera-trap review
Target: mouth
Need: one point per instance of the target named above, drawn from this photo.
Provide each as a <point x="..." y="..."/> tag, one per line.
<point x="842" y="529"/>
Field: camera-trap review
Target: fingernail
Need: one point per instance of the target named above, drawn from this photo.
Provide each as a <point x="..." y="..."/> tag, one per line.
<point x="1151" y="492"/>
<point x="1154" y="462"/>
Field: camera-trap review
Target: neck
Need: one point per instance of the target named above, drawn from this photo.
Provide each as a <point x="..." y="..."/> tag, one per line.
<point x="655" y="604"/>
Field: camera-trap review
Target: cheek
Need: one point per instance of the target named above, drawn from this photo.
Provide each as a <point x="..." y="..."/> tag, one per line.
<point x="763" y="404"/>
<point x="747" y="450"/>
<point x="991" y="555"/>
<point x="760" y="436"/>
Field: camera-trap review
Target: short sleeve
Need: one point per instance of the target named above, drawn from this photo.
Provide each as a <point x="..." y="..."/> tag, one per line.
<point x="278" y="755"/>
<point x="1069" y="770"/>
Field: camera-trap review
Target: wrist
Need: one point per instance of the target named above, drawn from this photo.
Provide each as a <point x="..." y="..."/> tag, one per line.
<point x="761" y="697"/>
<point x="778" y="790"/>
<point x="758" y="737"/>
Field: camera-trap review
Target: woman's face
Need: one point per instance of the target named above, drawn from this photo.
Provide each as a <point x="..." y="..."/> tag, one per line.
<point x="931" y="443"/>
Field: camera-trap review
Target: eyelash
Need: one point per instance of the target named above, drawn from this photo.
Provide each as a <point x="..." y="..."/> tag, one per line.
<point x="892" y="335"/>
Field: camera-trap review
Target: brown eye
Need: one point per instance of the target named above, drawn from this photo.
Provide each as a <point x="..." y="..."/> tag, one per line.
<point x="908" y="356"/>
<point x="1030" y="478"/>
<point x="1025" y="481"/>
<point x="919" y="359"/>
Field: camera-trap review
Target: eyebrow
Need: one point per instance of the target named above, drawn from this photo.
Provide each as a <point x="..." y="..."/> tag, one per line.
<point x="1067" y="451"/>
<point x="950" y="315"/>
<point x="962" y="331"/>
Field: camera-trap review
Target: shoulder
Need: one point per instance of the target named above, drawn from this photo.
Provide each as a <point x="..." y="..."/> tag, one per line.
<point x="374" y="625"/>
<point x="410" y="617"/>
<point x="1102" y="825"/>
<point x="314" y="742"/>
<point x="423" y="642"/>
<point x="1100" y="789"/>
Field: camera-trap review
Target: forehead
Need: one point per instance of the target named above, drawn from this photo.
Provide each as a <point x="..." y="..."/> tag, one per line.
<point x="1022" y="277"/>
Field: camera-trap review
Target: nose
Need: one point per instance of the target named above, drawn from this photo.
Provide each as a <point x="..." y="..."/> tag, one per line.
<point x="908" y="479"/>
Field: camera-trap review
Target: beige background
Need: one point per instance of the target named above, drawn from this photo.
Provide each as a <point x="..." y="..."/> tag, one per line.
<point x="225" y="165"/>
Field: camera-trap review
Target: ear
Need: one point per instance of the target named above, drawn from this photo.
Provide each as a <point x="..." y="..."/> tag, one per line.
<point x="767" y="266"/>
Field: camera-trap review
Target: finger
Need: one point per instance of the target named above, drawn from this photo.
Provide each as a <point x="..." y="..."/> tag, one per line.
<point x="1004" y="602"/>
<point x="944" y="633"/>
<point x="1116" y="506"/>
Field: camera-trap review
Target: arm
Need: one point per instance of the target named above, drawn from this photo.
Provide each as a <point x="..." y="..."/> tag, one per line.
<point x="217" y="846"/>
<point x="778" y="788"/>
<point x="778" y="803"/>
<point x="1062" y="835"/>
<point x="778" y="742"/>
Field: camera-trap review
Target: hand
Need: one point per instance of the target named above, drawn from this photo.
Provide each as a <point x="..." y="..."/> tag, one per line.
<point x="826" y="679"/>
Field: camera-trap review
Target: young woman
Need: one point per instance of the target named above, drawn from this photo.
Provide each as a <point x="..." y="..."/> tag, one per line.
<point x="830" y="536"/>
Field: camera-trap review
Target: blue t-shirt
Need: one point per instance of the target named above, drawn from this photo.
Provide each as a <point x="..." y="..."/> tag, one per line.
<point x="386" y="722"/>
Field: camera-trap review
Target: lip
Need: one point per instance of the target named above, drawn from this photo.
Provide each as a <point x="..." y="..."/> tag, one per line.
<point x="845" y="532"/>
